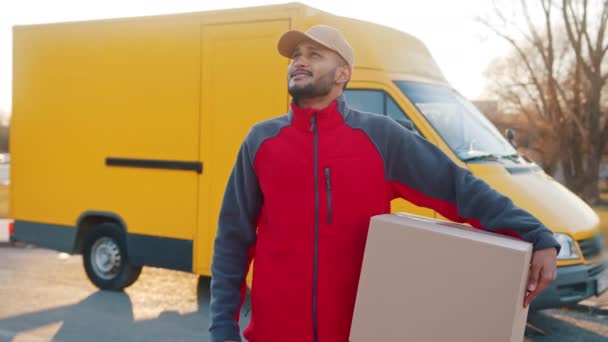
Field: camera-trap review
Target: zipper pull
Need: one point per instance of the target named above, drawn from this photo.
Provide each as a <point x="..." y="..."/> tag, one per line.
<point x="313" y="123"/>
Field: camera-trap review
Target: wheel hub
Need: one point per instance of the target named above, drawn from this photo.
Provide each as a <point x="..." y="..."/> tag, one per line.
<point x="106" y="258"/>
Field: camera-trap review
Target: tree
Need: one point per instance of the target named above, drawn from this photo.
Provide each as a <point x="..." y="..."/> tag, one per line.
<point x="556" y="76"/>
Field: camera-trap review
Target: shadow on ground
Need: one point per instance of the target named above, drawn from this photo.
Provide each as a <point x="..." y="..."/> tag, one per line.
<point x="108" y="316"/>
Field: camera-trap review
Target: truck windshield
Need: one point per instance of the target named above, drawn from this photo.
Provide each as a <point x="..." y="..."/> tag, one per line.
<point x="466" y="131"/>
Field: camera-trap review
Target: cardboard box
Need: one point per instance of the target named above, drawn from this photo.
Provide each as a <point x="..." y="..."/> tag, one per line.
<point x="430" y="280"/>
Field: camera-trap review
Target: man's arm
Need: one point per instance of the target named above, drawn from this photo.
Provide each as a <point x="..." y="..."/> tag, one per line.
<point x="422" y="174"/>
<point x="234" y="246"/>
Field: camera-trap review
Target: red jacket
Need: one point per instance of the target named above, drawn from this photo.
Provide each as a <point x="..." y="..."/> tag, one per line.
<point x="300" y="198"/>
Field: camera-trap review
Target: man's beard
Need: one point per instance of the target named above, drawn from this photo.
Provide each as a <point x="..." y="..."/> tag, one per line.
<point x="316" y="88"/>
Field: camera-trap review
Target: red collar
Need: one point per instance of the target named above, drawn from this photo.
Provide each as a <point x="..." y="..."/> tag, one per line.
<point x="327" y="117"/>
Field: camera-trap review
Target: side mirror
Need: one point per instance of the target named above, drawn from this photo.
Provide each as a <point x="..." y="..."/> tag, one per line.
<point x="510" y="134"/>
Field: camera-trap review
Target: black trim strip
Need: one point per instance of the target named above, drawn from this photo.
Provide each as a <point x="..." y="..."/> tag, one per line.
<point x="156" y="164"/>
<point x="52" y="236"/>
<point x="156" y="251"/>
<point x="171" y="253"/>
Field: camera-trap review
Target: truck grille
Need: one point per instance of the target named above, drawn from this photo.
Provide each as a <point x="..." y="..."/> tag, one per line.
<point x="592" y="247"/>
<point x="597" y="269"/>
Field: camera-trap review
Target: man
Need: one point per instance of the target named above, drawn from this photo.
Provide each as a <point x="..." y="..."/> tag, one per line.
<point x="304" y="188"/>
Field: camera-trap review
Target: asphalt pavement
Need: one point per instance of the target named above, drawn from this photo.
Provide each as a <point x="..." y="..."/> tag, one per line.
<point x="45" y="296"/>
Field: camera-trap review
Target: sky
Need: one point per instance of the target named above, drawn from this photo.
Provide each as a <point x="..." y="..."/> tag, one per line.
<point x="461" y="45"/>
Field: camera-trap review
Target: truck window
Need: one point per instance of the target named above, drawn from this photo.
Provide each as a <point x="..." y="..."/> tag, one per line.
<point x="466" y="131"/>
<point x="378" y="102"/>
<point x="371" y="101"/>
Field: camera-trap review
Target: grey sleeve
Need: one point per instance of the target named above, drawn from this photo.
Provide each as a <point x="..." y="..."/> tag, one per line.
<point x="236" y="235"/>
<point x="456" y="193"/>
<point x="421" y="173"/>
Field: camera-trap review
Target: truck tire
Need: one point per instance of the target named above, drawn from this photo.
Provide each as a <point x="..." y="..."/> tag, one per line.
<point x="105" y="258"/>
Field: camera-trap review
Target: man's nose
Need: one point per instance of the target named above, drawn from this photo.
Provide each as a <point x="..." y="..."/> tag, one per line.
<point x="299" y="62"/>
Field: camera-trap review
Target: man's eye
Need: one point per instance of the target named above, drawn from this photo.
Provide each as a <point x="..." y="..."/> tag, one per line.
<point x="314" y="54"/>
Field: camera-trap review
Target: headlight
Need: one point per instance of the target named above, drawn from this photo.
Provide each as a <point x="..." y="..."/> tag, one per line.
<point x="568" y="247"/>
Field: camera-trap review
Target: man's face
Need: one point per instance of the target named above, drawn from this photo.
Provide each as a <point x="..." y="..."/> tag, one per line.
<point x="312" y="71"/>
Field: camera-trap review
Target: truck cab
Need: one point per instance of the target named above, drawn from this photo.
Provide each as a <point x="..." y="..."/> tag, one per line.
<point x="401" y="80"/>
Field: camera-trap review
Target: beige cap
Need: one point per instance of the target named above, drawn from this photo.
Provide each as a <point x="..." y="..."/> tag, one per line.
<point x="325" y="35"/>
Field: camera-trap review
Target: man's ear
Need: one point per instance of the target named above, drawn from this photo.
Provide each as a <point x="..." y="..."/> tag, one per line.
<point x="344" y="73"/>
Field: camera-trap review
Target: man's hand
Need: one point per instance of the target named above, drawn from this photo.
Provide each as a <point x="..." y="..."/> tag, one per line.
<point x="543" y="271"/>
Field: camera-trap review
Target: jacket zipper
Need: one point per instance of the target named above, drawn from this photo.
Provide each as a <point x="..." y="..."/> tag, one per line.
<point x="314" y="129"/>
<point x="328" y="190"/>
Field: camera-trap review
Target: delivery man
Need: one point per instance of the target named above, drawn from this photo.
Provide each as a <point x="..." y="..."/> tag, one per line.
<point x="303" y="190"/>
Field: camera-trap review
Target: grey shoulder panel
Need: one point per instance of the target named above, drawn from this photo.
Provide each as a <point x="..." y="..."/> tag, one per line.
<point x="382" y="131"/>
<point x="263" y="131"/>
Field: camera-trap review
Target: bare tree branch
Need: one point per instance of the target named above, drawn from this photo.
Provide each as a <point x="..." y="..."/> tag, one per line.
<point x="601" y="51"/>
<point x="604" y="135"/>
<point x="601" y="32"/>
<point x="565" y="95"/>
<point x="570" y="110"/>
<point x="524" y="58"/>
<point x="584" y="30"/>
<point x="575" y="42"/>
<point x="536" y="41"/>
<point x="534" y="103"/>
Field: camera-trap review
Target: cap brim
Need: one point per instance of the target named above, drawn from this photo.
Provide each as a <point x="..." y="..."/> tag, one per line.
<point x="290" y="39"/>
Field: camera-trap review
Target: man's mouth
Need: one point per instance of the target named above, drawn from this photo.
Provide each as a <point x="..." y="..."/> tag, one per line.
<point x="300" y="74"/>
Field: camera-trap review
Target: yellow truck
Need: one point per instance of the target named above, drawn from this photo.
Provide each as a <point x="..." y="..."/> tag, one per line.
<point x="124" y="133"/>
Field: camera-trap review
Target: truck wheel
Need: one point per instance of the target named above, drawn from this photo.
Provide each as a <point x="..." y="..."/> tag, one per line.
<point x="105" y="258"/>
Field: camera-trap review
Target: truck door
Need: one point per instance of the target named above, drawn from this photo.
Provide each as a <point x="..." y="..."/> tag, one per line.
<point x="243" y="81"/>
